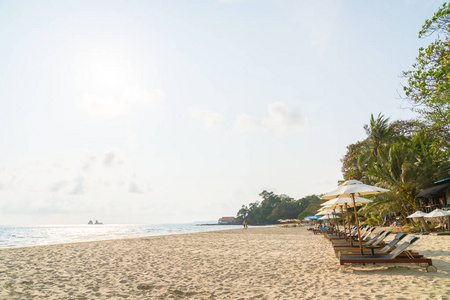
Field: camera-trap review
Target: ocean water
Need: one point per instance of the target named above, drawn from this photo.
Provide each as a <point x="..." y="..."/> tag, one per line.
<point x="21" y="236"/>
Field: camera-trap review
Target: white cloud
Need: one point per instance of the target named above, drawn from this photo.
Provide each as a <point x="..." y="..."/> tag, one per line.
<point x="108" y="160"/>
<point x="98" y="106"/>
<point x="280" y="119"/>
<point x="136" y="94"/>
<point x="79" y="186"/>
<point x="59" y="185"/>
<point x="111" y="105"/>
<point x="211" y="119"/>
<point x="246" y="123"/>
<point x="89" y="161"/>
<point x="94" y="176"/>
<point x="134" y="188"/>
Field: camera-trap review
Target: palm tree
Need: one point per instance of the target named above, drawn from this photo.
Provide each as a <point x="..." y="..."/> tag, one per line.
<point x="407" y="166"/>
<point x="382" y="205"/>
<point x="379" y="134"/>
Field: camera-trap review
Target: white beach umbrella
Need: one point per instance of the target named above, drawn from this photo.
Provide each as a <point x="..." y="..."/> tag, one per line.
<point x="437" y="213"/>
<point x="337" y="205"/>
<point x="345" y="202"/>
<point x="417" y="214"/>
<point x="329" y="213"/>
<point x="328" y="216"/>
<point x="348" y="200"/>
<point x="326" y="210"/>
<point x="354" y="188"/>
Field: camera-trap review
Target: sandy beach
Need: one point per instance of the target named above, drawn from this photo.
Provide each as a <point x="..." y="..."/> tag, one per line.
<point x="258" y="263"/>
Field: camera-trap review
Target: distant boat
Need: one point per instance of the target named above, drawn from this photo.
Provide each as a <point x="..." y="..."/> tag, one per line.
<point x="90" y="222"/>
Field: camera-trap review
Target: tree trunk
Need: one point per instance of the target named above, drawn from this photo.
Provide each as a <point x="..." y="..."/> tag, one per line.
<point x="424" y="224"/>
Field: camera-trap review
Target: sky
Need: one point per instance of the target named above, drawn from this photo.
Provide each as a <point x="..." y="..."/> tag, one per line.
<point x="180" y="111"/>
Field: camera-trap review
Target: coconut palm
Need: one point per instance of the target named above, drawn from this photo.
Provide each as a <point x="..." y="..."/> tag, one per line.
<point x="379" y="135"/>
<point x="407" y="166"/>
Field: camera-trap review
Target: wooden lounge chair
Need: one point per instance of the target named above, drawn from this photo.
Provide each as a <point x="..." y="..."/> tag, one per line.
<point x="385" y="250"/>
<point x="368" y="240"/>
<point x="353" y="234"/>
<point x="376" y="242"/>
<point x="364" y="237"/>
<point x="391" y="258"/>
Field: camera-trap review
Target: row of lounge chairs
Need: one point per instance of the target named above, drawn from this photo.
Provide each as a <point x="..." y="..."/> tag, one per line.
<point x="375" y="250"/>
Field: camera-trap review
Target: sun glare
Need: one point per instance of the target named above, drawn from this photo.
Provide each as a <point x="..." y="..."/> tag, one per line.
<point x="105" y="70"/>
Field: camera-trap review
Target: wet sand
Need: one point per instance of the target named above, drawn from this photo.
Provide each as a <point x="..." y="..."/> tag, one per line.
<point x="258" y="263"/>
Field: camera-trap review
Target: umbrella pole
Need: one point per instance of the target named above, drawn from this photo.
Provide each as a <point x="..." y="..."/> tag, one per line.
<point x="357" y="225"/>
<point x="343" y="222"/>
<point x="348" y="224"/>
<point x="335" y="219"/>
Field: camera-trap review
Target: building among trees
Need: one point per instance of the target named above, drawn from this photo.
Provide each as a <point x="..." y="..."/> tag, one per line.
<point x="227" y="220"/>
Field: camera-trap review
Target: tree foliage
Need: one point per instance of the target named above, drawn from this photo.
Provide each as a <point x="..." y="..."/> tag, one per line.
<point x="350" y="168"/>
<point x="274" y="207"/>
<point x="428" y="87"/>
<point x="399" y="156"/>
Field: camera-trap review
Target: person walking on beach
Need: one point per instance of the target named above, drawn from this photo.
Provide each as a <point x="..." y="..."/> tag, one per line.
<point x="245" y="224"/>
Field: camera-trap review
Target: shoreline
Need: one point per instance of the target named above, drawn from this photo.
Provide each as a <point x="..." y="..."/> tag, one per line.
<point x="14" y="238"/>
<point x="257" y="263"/>
<point x="114" y="239"/>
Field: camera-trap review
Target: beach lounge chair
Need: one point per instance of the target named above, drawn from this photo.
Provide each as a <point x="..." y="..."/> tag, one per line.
<point x="371" y="250"/>
<point x="364" y="237"/>
<point x="385" y="250"/>
<point x="391" y="258"/>
<point x="376" y="241"/>
<point x="353" y="233"/>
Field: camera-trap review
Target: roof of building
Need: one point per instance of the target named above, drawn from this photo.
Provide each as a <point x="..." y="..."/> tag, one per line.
<point x="225" y="219"/>
<point x="434" y="190"/>
<point x="442" y="180"/>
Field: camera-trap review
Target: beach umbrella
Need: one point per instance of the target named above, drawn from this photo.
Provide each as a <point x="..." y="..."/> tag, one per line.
<point x="347" y="202"/>
<point x="327" y="211"/>
<point x="437" y="213"/>
<point x="331" y="211"/>
<point x="353" y="189"/>
<point x="341" y="201"/>
<point x="326" y="217"/>
<point x="417" y="214"/>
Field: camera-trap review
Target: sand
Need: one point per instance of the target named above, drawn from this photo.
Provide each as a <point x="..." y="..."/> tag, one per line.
<point x="258" y="263"/>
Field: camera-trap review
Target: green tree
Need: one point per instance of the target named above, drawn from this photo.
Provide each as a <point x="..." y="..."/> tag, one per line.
<point x="311" y="204"/>
<point x="407" y="166"/>
<point x="428" y="84"/>
<point x="379" y="134"/>
<point x="350" y="168"/>
<point x="361" y="155"/>
<point x="274" y="207"/>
